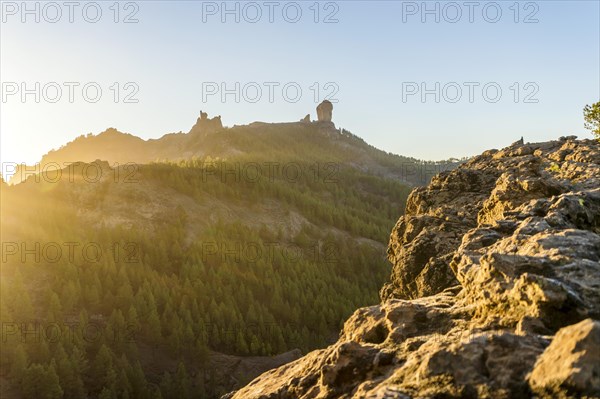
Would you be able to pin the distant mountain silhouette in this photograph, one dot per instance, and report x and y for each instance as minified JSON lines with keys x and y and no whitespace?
{"x":318,"y":141}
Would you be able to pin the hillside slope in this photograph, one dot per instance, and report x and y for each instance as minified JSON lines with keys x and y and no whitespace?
{"x":224,"y":252}
{"x":495,"y":290}
{"x":196,"y":263}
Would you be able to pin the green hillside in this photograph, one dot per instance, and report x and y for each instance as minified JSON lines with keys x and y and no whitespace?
{"x":197,"y":259}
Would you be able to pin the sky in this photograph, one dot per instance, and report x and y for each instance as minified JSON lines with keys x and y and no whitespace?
{"x":431,"y":80}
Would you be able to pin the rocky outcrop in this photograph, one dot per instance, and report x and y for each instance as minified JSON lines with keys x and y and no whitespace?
{"x":494,"y":290}
{"x":205,"y":125}
{"x":325,"y":111}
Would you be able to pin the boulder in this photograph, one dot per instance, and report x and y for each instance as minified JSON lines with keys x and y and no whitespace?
{"x":571,"y":362}
{"x":325,"y":111}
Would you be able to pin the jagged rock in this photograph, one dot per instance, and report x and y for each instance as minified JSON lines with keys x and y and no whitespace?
{"x":325,"y":111}
{"x":495,"y":265}
{"x":306,"y":119}
{"x":436,"y":218}
{"x":518,"y":142}
{"x":571,"y":362}
{"x":205,"y":125}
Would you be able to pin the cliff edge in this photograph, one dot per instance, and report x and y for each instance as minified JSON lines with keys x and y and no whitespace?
{"x":494,"y":293}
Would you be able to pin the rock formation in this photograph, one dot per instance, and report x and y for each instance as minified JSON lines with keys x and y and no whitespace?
{"x":324,"y":111}
{"x":206,"y":125}
{"x":494,"y":290}
{"x":306,"y":119}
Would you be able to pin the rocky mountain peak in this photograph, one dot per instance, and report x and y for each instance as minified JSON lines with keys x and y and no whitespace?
{"x":204,"y":124}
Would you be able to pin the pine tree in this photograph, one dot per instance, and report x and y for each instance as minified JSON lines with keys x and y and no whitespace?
{"x":78,"y":361}
{"x":102,"y":372}
{"x":41,"y":382}
{"x":241,"y":345}
{"x":67,"y":376}
{"x":154,"y":328}
{"x":182,"y":386}
{"x":122,"y":387}
{"x":201,"y":352}
{"x":255,"y":346}
{"x":137,"y":378}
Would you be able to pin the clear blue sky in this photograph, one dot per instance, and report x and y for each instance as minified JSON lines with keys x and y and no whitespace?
{"x":371,"y":55}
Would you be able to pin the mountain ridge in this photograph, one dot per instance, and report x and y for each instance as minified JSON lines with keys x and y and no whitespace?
{"x":319,"y":141}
